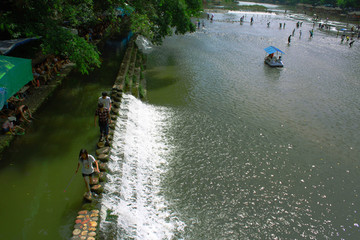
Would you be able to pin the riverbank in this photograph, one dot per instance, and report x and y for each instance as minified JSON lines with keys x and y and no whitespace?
{"x":35,"y":97}
{"x":318,"y":12}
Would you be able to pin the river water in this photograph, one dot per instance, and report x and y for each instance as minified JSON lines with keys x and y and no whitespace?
{"x":228,"y":148}
{"x":225,"y":147}
{"x":38,"y":166}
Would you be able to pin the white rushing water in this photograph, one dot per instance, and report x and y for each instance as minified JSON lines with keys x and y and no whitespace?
{"x":133,"y":205}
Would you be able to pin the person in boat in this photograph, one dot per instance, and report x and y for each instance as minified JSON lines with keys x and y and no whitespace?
{"x":270,"y":56}
{"x":87,"y":161}
{"x":279,"y":60}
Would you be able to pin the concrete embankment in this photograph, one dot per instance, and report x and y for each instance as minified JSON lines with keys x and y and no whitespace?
{"x":36,"y":97}
{"x":130,"y":80}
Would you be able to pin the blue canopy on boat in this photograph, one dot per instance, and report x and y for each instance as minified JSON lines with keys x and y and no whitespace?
{"x":272,"y":49}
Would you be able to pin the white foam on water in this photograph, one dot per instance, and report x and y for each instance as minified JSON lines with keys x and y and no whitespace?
{"x":138,"y":159}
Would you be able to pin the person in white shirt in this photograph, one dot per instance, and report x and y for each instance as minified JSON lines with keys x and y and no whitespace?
{"x":87,"y":161}
{"x":105,"y":100}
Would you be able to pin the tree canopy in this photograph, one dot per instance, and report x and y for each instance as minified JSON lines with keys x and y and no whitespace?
{"x":53,"y":21}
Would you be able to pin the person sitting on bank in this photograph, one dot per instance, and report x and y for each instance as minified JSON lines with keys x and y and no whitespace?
{"x":22,"y":113}
{"x":9,"y":127}
{"x":35,"y":82}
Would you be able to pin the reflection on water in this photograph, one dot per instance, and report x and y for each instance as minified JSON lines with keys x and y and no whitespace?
{"x":261,"y":153}
{"x":38,"y":165}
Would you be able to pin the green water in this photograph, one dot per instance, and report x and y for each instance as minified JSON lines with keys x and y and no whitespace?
{"x":260,"y":153}
{"x":38,"y":166}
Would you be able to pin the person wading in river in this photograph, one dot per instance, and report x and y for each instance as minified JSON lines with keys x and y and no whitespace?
{"x":104,"y":120}
{"x":87,"y":162}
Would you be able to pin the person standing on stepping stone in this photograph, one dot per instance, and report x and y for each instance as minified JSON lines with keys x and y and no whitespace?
{"x":106,"y":100}
{"x":87,"y":161}
{"x":104,"y":120}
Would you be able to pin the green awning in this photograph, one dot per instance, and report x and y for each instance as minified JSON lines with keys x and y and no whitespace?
{"x":14,"y":74}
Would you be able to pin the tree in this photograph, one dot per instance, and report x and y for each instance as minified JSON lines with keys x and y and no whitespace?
{"x":52,"y":20}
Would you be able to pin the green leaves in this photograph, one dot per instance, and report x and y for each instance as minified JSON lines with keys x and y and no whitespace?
{"x":154,"y":19}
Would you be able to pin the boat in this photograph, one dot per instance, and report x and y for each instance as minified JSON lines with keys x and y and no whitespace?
{"x":274,"y":57}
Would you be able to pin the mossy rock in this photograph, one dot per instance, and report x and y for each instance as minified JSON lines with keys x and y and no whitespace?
{"x":103,"y":167}
{"x":103,"y":150}
{"x":103,"y":157}
{"x":115,"y":111}
{"x":116,"y":97}
{"x":100,"y":144}
{"x":116,"y":104}
{"x":115,"y":107}
{"x":90,"y":206}
{"x":98,"y":188}
{"x":103,"y":177}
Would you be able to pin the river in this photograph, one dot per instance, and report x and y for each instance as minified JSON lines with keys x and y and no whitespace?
{"x":228,"y":148}
{"x":38,"y":166}
{"x":225,"y":147}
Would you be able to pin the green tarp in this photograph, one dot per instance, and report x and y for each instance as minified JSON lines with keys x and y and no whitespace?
{"x":14,"y":74}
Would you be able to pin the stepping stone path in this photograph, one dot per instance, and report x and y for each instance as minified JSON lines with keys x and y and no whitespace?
{"x":86,"y":225}
{"x":87,"y":220}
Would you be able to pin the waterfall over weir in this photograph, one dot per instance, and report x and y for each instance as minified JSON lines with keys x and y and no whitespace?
{"x":132,"y":205}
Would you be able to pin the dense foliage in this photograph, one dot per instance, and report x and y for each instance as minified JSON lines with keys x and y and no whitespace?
{"x":54,"y":20}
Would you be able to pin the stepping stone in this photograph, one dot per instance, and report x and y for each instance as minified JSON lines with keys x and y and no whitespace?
{"x":103,"y":157}
{"x":95,"y":180}
{"x":103,"y":167}
{"x":102,"y":177}
{"x":87,"y":198}
{"x":95,"y":211}
{"x":83,"y":212}
{"x":115,"y":111}
{"x":103,"y":150}
{"x":76,"y":232}
{"x":98,"y":189}
{"x":100,"y":144}
{"x":116,"y":105}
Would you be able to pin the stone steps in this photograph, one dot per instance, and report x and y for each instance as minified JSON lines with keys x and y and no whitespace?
{"x":131,"y":70}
